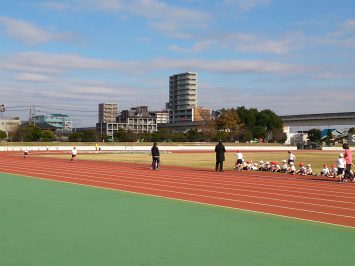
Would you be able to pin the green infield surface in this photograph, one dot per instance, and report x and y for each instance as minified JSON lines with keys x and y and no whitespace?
{"x":52,"y":223}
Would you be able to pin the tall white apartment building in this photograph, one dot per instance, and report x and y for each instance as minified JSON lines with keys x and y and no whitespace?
{"x":182,"y":97}
{"x":108,"y":112}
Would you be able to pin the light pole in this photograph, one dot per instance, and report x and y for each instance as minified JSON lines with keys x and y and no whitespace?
{"x":2,"y":109}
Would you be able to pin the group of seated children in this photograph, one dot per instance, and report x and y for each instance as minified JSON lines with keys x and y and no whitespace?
{"x":274,"y":166}
{"x":288,"y":166}
{"x":336,"y":171}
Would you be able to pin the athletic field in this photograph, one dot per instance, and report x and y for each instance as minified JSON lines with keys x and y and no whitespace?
{"x":57,"y":212}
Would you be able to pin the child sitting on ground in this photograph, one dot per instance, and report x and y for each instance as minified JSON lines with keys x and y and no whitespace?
{"x":325,"y":171}
{"x":255,"y":167}
{"x":267,"y":167}
{"x":309,"y":170}
{"x":284,"y":167}
{"x":261,"y":166}
{"x":333,"y":171}
{"x":302,"y":170}
{"x":292,"y":169}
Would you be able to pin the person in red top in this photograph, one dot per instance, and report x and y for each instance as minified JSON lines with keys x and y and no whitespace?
{"x":349,"y":161}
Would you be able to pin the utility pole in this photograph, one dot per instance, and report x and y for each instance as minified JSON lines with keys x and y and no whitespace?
{"x":34,"y":115}
{"x":30,"y":119}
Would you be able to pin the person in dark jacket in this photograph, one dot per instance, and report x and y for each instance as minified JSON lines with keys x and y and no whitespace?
{"x":155,"y":156}
{"x":220,"y":150}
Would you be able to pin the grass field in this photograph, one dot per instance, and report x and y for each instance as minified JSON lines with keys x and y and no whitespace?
{"x":207,"y":159}
{"x":54,"y":223}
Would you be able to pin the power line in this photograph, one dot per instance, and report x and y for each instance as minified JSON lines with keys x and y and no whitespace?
{"x":69,"y":110}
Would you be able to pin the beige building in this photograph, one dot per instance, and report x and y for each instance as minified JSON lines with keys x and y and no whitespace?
{"x":108,"y":112}
{"x":9,"y":125}
{"x":162,"y":117}
{"x":201,"y":114}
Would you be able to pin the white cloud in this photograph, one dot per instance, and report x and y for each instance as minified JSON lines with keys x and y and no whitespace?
{"x":169,"y":19}
{"x":295,"y":100}
{"x":246,"y":5}
{"x":249,"y":43}
{"x":350,"y":24}
{"x":37,"y":62}
{"x":32,"y":77}
{"x":30,"y":33}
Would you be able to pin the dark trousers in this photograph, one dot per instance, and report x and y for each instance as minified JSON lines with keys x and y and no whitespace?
{"x":348,"y":172}
{"x":156,"y":162}
{"x":219,"y":165}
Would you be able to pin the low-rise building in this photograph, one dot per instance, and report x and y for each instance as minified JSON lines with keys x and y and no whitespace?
{"x":161,"y":116}
{"x":60,"y":121}
{"x":139,"y":119}
{"x":9,"y":125}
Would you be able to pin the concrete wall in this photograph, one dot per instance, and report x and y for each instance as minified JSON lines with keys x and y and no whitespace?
{"x":146,"y":148}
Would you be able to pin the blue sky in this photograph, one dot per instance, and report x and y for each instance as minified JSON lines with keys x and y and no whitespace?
{"x":292,"y":57}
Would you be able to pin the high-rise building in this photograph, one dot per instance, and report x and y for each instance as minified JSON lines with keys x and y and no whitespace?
{"x":182,"y":97}
{"x":108,"y":112}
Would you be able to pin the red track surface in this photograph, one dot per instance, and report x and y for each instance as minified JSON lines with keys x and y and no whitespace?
{"x":303,"y":198}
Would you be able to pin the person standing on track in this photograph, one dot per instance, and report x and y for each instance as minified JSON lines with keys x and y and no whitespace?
{"x":291,"y":157}
{"x":239,"y":161}
{"x":155,"y":156}
{"x":25,"y":153}
{"x":220,"y":150}
{"x":349,"y":161}
{"x":74,"y":152}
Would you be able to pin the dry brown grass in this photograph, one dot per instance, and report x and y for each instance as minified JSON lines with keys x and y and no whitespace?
{"x":207,"y":159}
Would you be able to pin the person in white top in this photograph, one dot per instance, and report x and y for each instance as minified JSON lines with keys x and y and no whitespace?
{"x":325,"y":171}
{"x":239,"y":162}
{"x":74,"y":152}
{"x":309,"y":170}
{"x":302,"y":170}
{"x":292,"y":169}
{"x":284,"y":166}
{"x":333,"y":171}
{"x":291,"y":157}
{"x":25,"y":153}
{"x":341,"y":166}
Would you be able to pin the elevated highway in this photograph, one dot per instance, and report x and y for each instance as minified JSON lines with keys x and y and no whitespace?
{"x":324,"y":119}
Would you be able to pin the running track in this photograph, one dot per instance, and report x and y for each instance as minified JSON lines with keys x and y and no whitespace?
{"x":324,"y":201}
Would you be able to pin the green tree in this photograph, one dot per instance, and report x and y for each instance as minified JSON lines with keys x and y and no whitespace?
{"x":75,"y":137}
{"x":89,"y":136}
{"x":28,"y":133}
{"x":164,"y":134}
{"x":315,"y":135}
{"x":248,"y":116}
{"x":259,"y":132}
{"x":352,"y":130}
{"x":247,"y":135}
{"x":123,"y":135}
{"x":270,"y":121}
{"x":178,"y":137}
{"x":229,"y":122}
{"x":47,"y":135}
{"x":278,"y":135}
{"x":193,"y":135}
{"x":2,"y":135}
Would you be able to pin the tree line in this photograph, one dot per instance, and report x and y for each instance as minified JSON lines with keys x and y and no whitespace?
{"x":233,"y":124}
